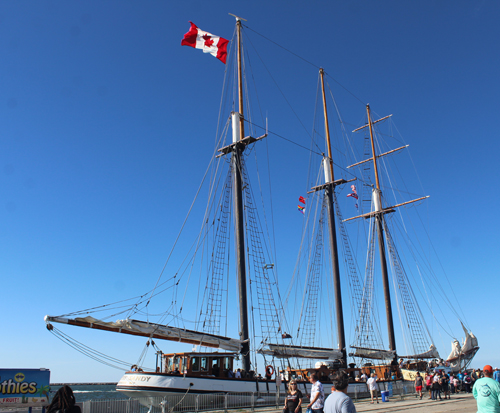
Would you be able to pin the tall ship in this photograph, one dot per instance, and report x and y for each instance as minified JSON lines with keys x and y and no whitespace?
{"x":237,"y":331}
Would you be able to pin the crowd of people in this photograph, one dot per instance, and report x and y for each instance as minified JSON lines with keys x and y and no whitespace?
{"x":483,"y":384}
{"x":440,"y":385}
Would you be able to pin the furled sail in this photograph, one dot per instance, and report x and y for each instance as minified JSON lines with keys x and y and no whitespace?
{"x":285,"y":351}
{"x":470,"y":341}
{"x":470,"y":345}
{"x":455,"y":350}
{"x":153,"y":330}
{"x":371,"y":353}
{"x":432,"y":353}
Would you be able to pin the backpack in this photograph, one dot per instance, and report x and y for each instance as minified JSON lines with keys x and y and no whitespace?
{"x":467,"y":380}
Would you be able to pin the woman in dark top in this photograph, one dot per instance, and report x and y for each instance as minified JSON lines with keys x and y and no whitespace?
{"x":64,"y":402}
{"x":293,"y":401}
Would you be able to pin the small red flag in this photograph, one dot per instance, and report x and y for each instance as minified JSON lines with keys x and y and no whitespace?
{"x":301,"y":199}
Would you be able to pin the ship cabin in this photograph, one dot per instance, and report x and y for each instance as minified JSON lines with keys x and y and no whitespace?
{"x":198,"y":364}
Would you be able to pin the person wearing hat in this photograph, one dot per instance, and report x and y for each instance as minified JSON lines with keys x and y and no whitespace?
{"x":467,"y":382}
{"x":486,"y":391}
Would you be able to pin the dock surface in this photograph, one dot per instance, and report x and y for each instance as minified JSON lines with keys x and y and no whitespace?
{"x":463,"y":403}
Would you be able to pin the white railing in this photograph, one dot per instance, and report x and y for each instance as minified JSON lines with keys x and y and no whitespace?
{"x":218,"y":402}
{"x":186,"y":403}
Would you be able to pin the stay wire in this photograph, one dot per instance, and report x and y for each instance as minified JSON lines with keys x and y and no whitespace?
{"x":276,"y":83}
{"x":307,"y":61}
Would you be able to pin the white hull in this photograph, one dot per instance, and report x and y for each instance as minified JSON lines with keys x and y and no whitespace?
{"x":159,"y":384}
{"x":150,"y":386}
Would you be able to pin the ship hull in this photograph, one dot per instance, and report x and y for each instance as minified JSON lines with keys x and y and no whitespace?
{"x":150,"y":388}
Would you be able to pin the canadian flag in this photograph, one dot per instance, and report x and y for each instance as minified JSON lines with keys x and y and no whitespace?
{"x":197,"y":38}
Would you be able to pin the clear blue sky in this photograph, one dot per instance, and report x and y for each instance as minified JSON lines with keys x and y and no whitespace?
{"x":107,"y":125}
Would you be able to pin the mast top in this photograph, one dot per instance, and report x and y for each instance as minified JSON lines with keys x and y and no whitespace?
{"x":237,"y":17}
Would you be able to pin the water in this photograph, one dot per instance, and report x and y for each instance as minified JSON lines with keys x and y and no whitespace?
{"x":84,"y":392}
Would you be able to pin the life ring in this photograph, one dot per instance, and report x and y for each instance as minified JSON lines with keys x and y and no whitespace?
{"x":269,"y":370}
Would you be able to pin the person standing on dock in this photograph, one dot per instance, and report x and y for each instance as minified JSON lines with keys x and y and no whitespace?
{"x":372,"y":386}
{"x":418,"y":384}
{"x":487,"y":392}
{"x":467,"y":382}
{"x":317,"y":397}
{"x":338,"y":401}
{"x":293,"y":400}
{"x":496,"y":375}
{"x":428,"y":384}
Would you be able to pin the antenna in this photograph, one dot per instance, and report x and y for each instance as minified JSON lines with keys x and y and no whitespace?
{"x":237,"y":18}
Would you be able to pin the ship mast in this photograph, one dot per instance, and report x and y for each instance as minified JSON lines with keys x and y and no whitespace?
{"x":238,"y":210}
{"x":379,"y":213}
{"x":329,"y":188}
{"x":236,"y":148}
{"x":377,"y":195}
{"x":329,"y":192}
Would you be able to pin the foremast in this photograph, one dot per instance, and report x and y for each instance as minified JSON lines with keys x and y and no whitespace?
{"x":238,"y":147}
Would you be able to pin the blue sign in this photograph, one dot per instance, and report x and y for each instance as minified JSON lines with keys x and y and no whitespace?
{"x":24,"y":387}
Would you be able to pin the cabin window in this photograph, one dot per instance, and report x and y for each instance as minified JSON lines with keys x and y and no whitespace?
{"x":227,"y":363}
{"x":195,"y":364}
{"x":169,"y":364}
{"x":204,"y":364}
{"x":184,"y":365}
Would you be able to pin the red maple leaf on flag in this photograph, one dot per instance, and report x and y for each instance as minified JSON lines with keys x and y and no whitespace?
{"x":208,"y":40}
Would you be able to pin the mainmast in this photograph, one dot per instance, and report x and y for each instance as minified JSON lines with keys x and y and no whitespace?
{"x":329,"y":188}
{"x":329,"y":192}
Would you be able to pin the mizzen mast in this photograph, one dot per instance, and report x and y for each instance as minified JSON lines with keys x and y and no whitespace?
{"x":377,"y":196}
{"x":379,"y":213}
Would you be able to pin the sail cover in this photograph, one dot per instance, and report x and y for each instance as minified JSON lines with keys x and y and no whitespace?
{"x":432,"y":353}
{"x":154,"y":330}
{"x":285,"y":351}
{"x":371,"y":353}
{"x":455,"y":350}
{"x":470,"y":341}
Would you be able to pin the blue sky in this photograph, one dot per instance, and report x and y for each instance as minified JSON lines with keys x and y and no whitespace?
{"x":107,"y":125}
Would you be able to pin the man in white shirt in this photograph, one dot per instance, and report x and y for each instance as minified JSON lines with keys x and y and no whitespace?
{"x":237,"y":374}
{"x":317,"y":396}
{"x":372,"y":386}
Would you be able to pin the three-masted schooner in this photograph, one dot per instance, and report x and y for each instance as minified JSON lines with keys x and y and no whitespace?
{"x":209,"y":367}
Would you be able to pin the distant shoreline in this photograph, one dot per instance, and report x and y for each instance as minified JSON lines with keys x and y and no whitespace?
{"x":83,"y":384}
